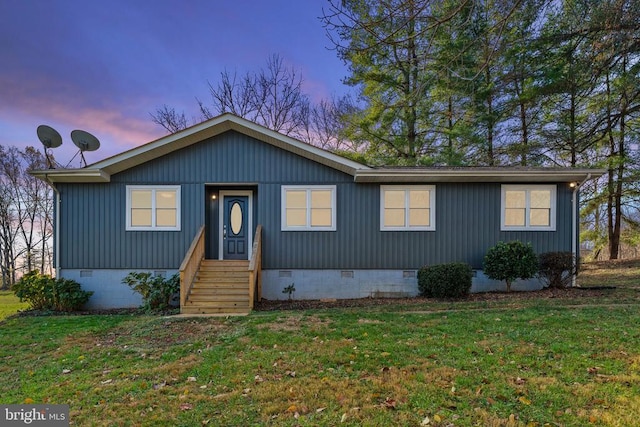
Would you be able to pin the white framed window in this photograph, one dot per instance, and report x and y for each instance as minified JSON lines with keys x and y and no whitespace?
{"x":407,"y":208}
{"x":153,"y":208}
{"x":308,"y":208}
{"x":528,"y":208}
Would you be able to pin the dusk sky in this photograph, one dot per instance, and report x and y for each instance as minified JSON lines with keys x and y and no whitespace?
{"x":103,"y":66}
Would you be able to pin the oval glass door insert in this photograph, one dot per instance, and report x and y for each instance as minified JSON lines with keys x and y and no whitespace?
{"x":236,"y":218}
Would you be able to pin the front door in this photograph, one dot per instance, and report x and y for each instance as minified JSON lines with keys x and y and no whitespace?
{"x":236,"y":227}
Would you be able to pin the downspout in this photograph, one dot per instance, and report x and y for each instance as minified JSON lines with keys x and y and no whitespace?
{"x":574,"y":228}
{"x":56,"y":227}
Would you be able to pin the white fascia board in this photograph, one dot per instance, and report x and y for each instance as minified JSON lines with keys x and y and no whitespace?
{"x":72,"y":175}
{"x":475,"y":175}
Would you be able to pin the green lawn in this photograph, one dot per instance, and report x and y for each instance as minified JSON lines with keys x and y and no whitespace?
{"x":559,"y":361}
{"x":9,"y":304}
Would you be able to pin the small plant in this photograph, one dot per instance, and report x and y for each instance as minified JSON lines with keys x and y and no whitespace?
{"x":451,"y":280}
{"x":557,"y":268}
{"x":289,"y":290}
{"x":511,"y":261}
{"x":156,"y":291}
{"x":43,"y":292}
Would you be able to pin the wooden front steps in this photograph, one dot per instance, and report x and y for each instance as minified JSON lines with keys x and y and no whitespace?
{"x":220,"y":287}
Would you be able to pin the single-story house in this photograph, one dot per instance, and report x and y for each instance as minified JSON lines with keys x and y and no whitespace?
{"x":227,"y":202}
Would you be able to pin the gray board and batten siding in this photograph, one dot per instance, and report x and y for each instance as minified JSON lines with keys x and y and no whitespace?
{"x":93,"y":233}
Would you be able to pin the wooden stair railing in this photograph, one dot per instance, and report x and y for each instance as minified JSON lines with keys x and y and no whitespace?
{"x":190,"y":265}
{"x":255,"y":269}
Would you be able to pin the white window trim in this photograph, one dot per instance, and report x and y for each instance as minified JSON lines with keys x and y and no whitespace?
{"x":153,"y":189}
{"x":528,"y":189}
{"x":405,"y":188}
{"x":308,"y":189}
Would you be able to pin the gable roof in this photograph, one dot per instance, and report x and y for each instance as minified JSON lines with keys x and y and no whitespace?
{"x":101,"y":171}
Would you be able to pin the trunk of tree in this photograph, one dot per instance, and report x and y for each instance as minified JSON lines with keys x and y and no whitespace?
{"x":490,"y":120}
{"x":525,"y":134}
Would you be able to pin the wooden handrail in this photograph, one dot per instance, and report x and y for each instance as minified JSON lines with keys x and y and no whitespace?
{"x":190,"y":265}
{"x":255,"y":269}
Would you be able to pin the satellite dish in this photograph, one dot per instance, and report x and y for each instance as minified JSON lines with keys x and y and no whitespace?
{"x":50,"y":138}
{"x":85,"y":142}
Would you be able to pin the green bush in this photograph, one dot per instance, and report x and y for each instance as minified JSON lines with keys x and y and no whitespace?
{"x":556,"y":268}
{"x":511,"y":261}
{"x":43,"y":292}
{"x":156,"y":291}
{"x":451,"y":280}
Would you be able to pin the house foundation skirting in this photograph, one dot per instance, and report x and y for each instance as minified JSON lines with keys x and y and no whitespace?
{"x":108,"y":289}
{"x":345,"y":284}
{"x":110,"y":292}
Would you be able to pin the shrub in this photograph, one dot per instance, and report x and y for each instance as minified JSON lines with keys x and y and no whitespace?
{"x":156,"y":291}
{"x":43,"y":292}
{"x":451,"y":280}
{"x":511,"y":261}
{"x":556,"y":268}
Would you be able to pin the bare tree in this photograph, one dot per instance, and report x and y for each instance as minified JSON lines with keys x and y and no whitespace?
{"x":169,"y":118}
{"x":272,"y":97}
{"x":25,"y":212}
{"x":8,"y":232}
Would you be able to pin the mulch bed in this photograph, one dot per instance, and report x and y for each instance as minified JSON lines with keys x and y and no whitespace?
{"x":276,"y":305}
{"x":567,"y":293}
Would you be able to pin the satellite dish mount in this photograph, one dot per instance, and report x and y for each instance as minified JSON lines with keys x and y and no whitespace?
{"x":85,"y":142}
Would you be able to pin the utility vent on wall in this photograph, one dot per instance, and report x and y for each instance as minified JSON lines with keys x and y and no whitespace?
{"x":347,"y":274}
{"x":408,"y":274}
{"x":284,"y":273}
{"x":86,"y":273}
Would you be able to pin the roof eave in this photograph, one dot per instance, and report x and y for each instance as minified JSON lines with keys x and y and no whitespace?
{"x":72,"y":175}
{"x":505,"y":175}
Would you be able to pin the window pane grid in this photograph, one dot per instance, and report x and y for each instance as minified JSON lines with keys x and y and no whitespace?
{"x":528,"y":208}
{"x":406,"y":208}
{"x":153,"y":208}
{"x":308,"y":208}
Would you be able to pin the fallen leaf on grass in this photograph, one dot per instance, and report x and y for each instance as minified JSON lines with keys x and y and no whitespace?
{"x":186,"y":406}
{"x":320,"y":410}
{"x":28,"y":401}
{"x":66,"y":371}
{"x":344,"y":417}
{"x":292,"y":408}
{"x":191,"y":379}
{"x":524,"y":400}
{"x":106,"y":381}
{"x":389,"y":403}
{"x":425,"y":422}
{"x":437,"y":418}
